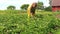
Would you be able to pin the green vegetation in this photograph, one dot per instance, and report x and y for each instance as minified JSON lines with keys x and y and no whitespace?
{"x":16,"y":22}
{"x":40,"y":6}
{"x":11,"y":7}
{"x":48,"y":8}
{"x":24,"y":6}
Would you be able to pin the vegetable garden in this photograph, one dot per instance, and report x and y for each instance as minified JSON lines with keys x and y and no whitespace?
{"x":16,"y":22}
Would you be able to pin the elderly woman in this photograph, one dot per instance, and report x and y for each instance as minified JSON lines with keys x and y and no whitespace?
{"x":31,"y":9}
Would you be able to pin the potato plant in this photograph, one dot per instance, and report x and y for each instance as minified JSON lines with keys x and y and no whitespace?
{"x":16,"y":22}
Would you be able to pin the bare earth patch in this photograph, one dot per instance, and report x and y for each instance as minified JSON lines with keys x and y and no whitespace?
{"x":58,"y":16}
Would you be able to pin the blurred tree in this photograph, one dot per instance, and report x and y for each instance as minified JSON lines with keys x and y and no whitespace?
{"x":11,"y":7}
{"x":48,"y":8}
{"x":24,"y":6}
{"x":50,"y":2}
{"x":40,"y":5}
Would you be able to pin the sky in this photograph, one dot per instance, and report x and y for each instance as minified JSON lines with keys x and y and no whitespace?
{"x":17,"y":3}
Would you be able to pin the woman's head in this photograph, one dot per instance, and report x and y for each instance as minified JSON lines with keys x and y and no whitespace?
{"x":34,"y":5}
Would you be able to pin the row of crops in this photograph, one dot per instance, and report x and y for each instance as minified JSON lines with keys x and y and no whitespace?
{"x":15,"y":22}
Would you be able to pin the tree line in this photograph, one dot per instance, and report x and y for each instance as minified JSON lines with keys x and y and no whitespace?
{"x":25,"y":6}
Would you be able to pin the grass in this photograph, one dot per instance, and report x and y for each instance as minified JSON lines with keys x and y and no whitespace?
{"x":16,"y":22}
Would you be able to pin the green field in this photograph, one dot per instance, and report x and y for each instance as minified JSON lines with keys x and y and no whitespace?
{"x":17,"y":22}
